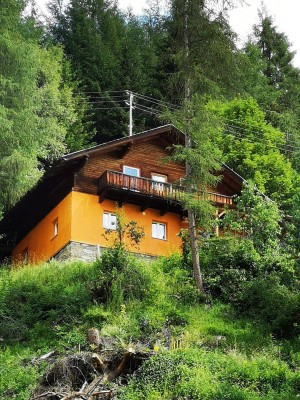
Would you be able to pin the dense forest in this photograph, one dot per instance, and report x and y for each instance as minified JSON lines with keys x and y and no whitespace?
{"x":65,"y":84}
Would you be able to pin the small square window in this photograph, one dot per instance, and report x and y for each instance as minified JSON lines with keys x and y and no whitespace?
{"x":159,"y":230}
{"x":25,"y":256}
{"x":109,"y":221}
{"x":55,"y":227}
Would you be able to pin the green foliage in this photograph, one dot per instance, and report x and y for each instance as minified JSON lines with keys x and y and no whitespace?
{"x":253,"y":148}
{"x":109,"y":52}
{"x":18,"y":376}
{"x":227,"y":264}
{"x":278,"y":68}
{"x":121,"y":278}
{"x":267,"y":299}
{"x":204,"y":351}
{"x":124,"y":230}
{"x":203,"y":127}
{"x":211,"y":62}
{"x":275,"y":82}
{"x":257,"y":218}
{"x":37,"y":107}
{"x":201,"y":158}
{"x":31,"y":295}
{"x":199,"y":374}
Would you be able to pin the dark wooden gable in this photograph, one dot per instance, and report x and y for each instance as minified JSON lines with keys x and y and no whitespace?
{"x":230,"y":183}
{"x":149,"y":153}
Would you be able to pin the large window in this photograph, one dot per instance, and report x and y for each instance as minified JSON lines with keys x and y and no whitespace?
{"x":109,"y":220}
{"x":159,"y":230}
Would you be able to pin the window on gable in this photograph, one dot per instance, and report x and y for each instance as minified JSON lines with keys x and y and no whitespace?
{"x":159,"y":185}
{"x":55,"y":227}
{"x":132,"y":171}
{"x":159,"y":230}
{"x":109,"y":221}
{"x":158,"y":177}
{"x":130,"y":181}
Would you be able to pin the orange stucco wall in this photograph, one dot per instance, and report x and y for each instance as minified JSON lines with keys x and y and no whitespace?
{"x":87,"y":226}
{"x":40,"y":241}
{"x":79,"y":218}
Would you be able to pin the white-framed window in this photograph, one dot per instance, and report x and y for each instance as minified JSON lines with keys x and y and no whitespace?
{"x":158,"y":177}
{"x":132,"y":171}
{"x":131,"y":183}
{"x":109,"y":220}
{"x":159,"y":230}
{"x":55,"y":227}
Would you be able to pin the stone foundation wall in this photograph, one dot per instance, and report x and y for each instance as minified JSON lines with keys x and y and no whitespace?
{"x":78,"y":251}
{"x":86,"y":252}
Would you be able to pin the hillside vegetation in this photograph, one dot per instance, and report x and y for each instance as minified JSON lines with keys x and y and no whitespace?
{"x":240,"y":341}
{"x":65,"y":86}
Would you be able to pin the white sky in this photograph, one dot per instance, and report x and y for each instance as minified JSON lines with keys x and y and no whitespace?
{"x":284,"y":12}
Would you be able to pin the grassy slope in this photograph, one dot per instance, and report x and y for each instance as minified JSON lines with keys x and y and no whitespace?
{"x":204,"y":351}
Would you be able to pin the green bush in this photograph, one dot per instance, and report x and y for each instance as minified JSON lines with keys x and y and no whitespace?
{"x":17,"y":375}
{"x":274,"y":303}
{"x":122,"y":277}
{"x":227,"y":263}
{"x":53,"y":293}
{"x":198,"y":375}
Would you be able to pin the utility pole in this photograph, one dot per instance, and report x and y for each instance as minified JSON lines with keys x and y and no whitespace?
{"x":130,"y":104}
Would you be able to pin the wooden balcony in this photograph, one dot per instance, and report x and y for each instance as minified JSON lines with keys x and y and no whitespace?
{"x":148,"y":193}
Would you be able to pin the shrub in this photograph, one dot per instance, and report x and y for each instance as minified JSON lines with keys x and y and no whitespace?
{"x":274,"y":303}
{"x":227,"y":263}
{"x":52,"y":293}
{"x":198,"y":374}
{"x":122,"y":277}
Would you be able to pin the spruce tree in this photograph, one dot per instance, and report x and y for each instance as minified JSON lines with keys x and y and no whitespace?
{"x":35,"y":105}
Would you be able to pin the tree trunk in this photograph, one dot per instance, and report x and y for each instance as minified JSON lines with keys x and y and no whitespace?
{"x":195,"y":251}
{"x":188,"y":144}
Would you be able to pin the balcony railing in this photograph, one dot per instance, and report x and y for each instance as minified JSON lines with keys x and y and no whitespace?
{"x":139,"y":187}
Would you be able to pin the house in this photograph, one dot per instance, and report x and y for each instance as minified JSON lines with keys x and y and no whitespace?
{"x":68,"y":212}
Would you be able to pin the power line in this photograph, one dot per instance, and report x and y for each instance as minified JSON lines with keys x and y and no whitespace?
{"x":242,"y":136}
{"x":147,"y":104}
{"x":156,"y":101}
{"x":145,"y":110}
{"x":104,"y":92}
{"x":256,"y":134}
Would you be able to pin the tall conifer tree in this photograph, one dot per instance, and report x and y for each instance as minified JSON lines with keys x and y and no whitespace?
{"x":35,"y":105}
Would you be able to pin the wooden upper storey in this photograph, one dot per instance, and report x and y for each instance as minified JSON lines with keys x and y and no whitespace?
{"x":149,"y":152}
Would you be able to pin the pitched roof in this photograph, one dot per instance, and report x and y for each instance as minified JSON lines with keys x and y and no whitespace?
{"x":164,"y":130}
